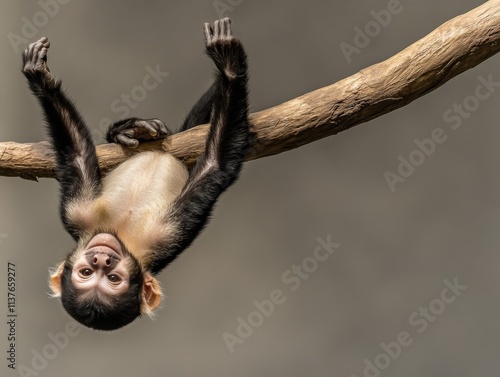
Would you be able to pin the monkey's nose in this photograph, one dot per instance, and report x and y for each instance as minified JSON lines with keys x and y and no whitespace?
{"x":101,"y":260}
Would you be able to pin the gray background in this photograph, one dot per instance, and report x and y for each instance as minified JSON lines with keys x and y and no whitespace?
{"x":397,"y":248}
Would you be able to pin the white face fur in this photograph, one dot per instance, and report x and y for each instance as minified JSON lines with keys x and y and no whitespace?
{"x":101,"y":267}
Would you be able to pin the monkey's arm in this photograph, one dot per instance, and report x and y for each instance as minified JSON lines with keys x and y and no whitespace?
{"x":77,"y":168}
{"x":227,"y":141}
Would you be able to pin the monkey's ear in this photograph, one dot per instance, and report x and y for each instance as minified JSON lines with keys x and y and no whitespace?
{"x":55,"y":280}
{"x":151,"y":294}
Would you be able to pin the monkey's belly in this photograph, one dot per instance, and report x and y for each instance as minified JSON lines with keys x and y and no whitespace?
{"x":137,"y":194}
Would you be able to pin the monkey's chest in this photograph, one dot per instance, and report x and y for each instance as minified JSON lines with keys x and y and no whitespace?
{"x":137,"y":195}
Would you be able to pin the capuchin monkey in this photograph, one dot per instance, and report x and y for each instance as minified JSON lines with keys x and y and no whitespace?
{"x":133,"y":222}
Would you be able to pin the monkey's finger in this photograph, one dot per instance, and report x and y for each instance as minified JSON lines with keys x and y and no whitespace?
{"x":45,"y":46}
{"x":164,"y":131}
{"x":43,"y":54}
{"x":217,"y":27}
{"x":148,"y":127}
{"x":37,"y":46}
{"x":161,"y":127}
{"x":44,"y":41}
{"x":128,"y":142}
{"x":31,"y":53}
{"x":208,"y":32}
{"x":226,"y":27}
{"x":35,"y":53}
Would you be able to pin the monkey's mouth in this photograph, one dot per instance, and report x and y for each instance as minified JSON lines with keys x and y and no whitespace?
{"x":107,"y":242}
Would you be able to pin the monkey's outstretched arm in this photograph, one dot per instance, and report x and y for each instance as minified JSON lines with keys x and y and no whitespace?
{"x":76,"y":161}
{"x":227,"y":142}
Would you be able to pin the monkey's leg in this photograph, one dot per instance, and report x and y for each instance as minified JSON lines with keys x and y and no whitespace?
{"x":228,"y":136}
{"x":129,"y":132}
{"x":227,"y":141}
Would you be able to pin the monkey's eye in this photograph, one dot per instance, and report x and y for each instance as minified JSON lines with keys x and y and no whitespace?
{"x":86,"y":272}
{"x":114,"y":278}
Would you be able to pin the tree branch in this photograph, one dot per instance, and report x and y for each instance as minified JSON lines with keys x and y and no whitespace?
{"x":451,"y":49}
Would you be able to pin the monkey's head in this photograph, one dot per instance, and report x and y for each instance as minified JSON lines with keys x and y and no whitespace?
{"x":103,"y":286}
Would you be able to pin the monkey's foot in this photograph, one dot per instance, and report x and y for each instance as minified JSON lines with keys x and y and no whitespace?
{"x":35,"y":60}
{"x":225,"y":50}
{"x":130,"y":132}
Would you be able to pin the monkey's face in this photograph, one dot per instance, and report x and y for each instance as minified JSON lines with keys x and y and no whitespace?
{"x":103,"y":285}
{"x":102,"y":267}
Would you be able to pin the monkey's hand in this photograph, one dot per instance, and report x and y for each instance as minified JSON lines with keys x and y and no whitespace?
{"x":224,"y":49}
{"x":129,"y":132}
{"x":35,"y":66}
